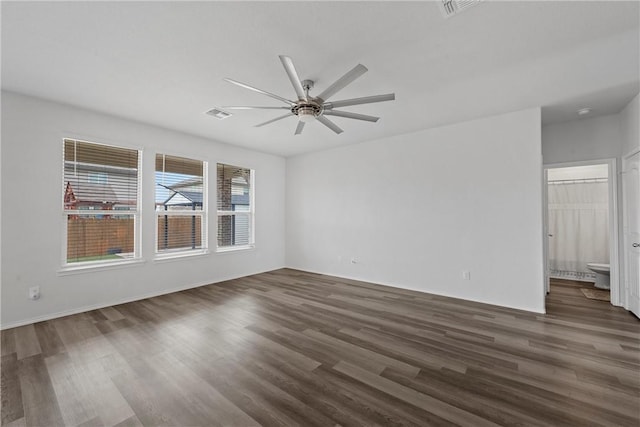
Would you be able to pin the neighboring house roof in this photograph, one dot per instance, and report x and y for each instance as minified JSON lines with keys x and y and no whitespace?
{"x":184,"y":193}
{"x":99,"y":184}
{"x":190,"y":182}
{"x":188,"y":198}
{"x":91,"y":192}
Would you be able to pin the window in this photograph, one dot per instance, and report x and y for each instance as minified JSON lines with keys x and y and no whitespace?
{"x":235,"y":206}
{"x":180,"y":205}
{"x":98,"y":180}
{"x":97,"y":177}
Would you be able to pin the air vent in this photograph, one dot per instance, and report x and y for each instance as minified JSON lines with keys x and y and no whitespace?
{"x":218,"y":113}
{"x":450,"y":8}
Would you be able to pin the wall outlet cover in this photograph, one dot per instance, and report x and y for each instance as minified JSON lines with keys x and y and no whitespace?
{"x":34,"y":292}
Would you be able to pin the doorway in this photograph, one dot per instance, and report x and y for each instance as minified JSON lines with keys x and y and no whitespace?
{"x":581,"y":237}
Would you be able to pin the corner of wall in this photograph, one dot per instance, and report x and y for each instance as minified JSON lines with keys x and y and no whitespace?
{"x":630,"y":126}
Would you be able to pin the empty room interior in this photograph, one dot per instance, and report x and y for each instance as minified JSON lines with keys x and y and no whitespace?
{"x":320,"y":213}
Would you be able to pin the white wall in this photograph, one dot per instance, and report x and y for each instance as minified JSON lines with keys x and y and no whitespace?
{"x":32,"y":132}
{"x":416,"y":210}
{"x":582,"y":139}
{"x":630,"y":127}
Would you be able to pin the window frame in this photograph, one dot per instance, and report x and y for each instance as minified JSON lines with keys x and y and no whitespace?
{"x":203,"y":214}
{"x":250,"y":213}
{"x":70,"y":267}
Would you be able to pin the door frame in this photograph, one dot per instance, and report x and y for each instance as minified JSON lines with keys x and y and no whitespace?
{"x":626,"y":291}
{"x":618,"y":296}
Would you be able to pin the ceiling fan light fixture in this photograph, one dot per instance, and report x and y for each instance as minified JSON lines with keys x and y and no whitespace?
{"x":306,"y":114}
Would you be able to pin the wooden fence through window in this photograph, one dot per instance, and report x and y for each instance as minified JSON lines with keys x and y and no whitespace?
{"x":91,"y":237}
{"x":95,"y":237}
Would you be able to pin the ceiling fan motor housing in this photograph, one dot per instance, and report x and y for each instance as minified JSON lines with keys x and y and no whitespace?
{"x":307,"y":111}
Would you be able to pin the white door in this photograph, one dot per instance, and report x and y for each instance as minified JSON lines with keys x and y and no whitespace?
{"x":631,"y":201}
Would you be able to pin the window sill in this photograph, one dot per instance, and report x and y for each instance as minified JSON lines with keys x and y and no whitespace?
{"x":235,"y":248}
{"x":90,"y":268}
{"x":178,"y":255}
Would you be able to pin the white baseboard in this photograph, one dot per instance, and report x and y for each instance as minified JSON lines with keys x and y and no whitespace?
{"x":84,"y":309}
{"x":391,"y":285}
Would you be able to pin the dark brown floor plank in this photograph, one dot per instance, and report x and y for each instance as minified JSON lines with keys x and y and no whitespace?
{"x":8,"y":341}
{"x":385,"y":409}
{"x":10,"y":390}
{"x":49,"y":340}
{"x":27,"y":344}
{"x":38,"y":396}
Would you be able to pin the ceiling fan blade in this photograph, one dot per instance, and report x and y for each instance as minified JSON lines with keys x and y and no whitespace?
{"x":293,"y":76}
{"x":299,"y":127}
{"x":349,"y":115}
{"x":357,"y":101}
{"x":328,"y":123}
{"x":274,"y":120}
{"x":339,"y":84}
{"x":246,"y":86}
{"x":255,"y":108}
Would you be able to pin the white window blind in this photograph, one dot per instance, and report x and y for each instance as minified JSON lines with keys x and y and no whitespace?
{"x":100,"y":202}
{"x":180,"y":204}
{"x":235,"y":206}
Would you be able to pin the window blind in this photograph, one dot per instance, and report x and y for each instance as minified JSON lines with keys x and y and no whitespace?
{"x":234,"y":206}
{"x":180,"y":204}
{"x":100,"y":201}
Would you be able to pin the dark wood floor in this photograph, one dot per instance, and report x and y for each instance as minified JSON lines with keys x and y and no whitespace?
{"x":293,"y":348}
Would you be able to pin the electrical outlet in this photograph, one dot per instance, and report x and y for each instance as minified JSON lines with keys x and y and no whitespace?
{"x":34,"y":293}
{"x":466,"y":275}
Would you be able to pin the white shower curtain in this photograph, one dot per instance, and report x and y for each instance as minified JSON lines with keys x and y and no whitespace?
{"x":579,"y":228}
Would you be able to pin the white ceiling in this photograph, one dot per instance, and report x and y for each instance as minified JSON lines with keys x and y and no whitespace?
{"x":163,"y":62}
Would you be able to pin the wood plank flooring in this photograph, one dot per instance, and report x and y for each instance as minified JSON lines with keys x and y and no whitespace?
{"x":293,"y":348}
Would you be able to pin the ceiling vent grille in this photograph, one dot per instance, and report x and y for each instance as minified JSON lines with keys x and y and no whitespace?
{"x":218,"y":113}
{"x":450,"y":8}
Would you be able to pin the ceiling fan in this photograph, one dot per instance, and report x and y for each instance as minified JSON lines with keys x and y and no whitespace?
{"x":309,"y":108}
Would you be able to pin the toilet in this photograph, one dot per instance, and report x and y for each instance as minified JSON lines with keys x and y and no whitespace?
{"x":602,"y":274}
